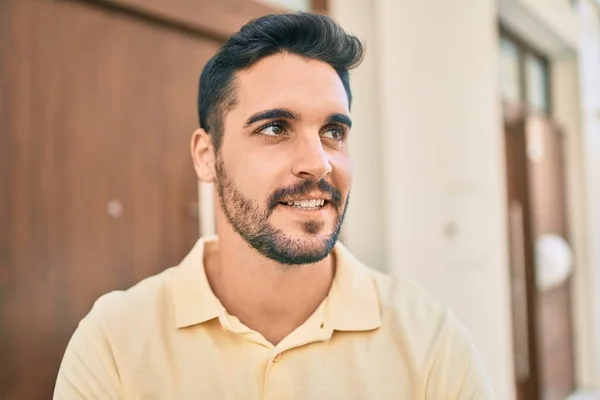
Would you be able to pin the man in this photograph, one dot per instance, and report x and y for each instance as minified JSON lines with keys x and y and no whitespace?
{"x":273,"y":307}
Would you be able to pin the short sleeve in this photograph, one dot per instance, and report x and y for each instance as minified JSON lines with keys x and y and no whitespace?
{"x":84,"y":372}
{"x":457,"y":372}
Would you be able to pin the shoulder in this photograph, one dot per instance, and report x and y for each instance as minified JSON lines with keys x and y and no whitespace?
{"x":404,"y":299}
{"x":137,"y":308}
{"x":438,"y":342}
{"x":402,"y":304}
{"x":113,"y":335}
{"x":434,"y":337}
{"x":413,"y":316}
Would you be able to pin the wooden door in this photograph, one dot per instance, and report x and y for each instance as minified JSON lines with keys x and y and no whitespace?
{"x":97,"y":107}
{"x":549,"y":215}
{"x":542,"y":323}
{"x":522,"y":271}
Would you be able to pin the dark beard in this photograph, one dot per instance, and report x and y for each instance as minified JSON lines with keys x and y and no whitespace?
{"x":252,"y":223}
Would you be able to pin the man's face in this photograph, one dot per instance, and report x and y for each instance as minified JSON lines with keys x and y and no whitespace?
{"x":283,"y":169}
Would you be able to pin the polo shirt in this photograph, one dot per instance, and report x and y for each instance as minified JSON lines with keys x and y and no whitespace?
{"x":169,"y":337}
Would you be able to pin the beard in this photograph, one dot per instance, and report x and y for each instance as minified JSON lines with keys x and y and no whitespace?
{"x":252,"y":223}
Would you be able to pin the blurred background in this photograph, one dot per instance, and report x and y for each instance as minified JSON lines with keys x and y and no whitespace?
{"x":477,"y":167}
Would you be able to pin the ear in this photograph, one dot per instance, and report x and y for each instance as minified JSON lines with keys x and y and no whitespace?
{"x":203,"y":155}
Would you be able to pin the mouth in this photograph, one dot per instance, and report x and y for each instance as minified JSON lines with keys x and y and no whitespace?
{"x":307,"y":205}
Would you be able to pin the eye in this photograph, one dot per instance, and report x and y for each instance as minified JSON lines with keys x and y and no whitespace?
{"x":272,"y":129}
{"x":335,"y":133}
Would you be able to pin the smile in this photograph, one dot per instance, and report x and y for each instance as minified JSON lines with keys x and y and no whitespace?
{"x":309,"y":205}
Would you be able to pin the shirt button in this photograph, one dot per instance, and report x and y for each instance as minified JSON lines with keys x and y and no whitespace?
{"x":277,"y":358}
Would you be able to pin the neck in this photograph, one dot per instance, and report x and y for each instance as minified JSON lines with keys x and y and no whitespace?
{"x":268,"y":297}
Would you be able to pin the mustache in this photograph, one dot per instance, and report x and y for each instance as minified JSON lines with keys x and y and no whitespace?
{"x":303,"y":188}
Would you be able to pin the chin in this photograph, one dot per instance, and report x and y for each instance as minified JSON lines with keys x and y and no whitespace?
{"x":308,"y":229}
{"x":301,"y":248}
{"x":305,"y":253}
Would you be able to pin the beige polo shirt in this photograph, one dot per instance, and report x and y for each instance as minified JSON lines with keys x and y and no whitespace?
{"x":168,"y":337}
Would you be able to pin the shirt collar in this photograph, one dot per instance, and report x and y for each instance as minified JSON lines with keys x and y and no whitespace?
{"x":193,"y":298}
{"x":352,"y":303}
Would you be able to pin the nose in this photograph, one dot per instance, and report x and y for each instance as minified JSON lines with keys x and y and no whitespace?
{"x":311,"y":161}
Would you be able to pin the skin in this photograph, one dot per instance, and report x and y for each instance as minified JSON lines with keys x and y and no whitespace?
{"x":258,"y":166}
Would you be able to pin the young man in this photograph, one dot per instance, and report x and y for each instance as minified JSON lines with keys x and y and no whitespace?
{"x":273,"y":307}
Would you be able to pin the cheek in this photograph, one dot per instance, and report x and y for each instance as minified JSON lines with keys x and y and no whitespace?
{"x":342,"y":170}
{"x":254,"y":173}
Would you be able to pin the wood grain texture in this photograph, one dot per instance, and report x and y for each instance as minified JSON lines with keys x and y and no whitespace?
{"x":216,"y":19}
{"x":320,"y":6}
{"x":7,"y":251}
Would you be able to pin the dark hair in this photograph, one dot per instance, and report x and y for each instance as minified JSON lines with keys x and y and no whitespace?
{"x":305,"y":34}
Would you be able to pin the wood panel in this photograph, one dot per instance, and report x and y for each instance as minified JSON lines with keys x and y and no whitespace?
{"x":523,"y":281}
{"x":548,"y":198}
{"x":211,"y":18}
{"x":96,"y":106}
{"x":320,"y":6}
{"x":547,"y":175}
{"x":6,"y":161}
{"x":556,"y":343}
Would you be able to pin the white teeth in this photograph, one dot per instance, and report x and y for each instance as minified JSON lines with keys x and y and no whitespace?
{"x":312,"y":204}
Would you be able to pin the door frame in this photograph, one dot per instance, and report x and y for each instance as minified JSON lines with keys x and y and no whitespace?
{"x":522,"y":256}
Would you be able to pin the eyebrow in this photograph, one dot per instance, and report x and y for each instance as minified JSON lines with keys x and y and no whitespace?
{"x":275,"y":113}
{"x":340,"y":119}
{"x":284,"y":113}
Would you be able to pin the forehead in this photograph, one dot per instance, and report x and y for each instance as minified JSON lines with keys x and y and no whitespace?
{"x":288,"y":80}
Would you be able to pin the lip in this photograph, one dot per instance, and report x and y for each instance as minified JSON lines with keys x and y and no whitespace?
{"x":309,"y":196}
{"x":310,"y":213}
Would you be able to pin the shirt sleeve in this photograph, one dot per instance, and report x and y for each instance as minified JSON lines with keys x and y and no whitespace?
{"x":84,"y":372}
{"x":457,"y":371}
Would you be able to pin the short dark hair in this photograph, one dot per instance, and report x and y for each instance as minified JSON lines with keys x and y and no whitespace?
{"x":308,"y":35}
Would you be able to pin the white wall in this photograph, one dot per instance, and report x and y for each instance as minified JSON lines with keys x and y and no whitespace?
{"x":364,"y":229}
{"x":433,"y":130}
{"x":589,"y":62}
{"x":567,"y":112}
{"x":551,"y":25}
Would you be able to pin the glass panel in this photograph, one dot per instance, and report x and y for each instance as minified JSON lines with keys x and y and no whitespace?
{"x":509,"y":71}
{"x":536,"y":72}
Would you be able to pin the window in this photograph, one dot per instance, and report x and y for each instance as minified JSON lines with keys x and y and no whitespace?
{"x":510,"y":71}
{"x":536,"y":79}
{"x":524,"y":75}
